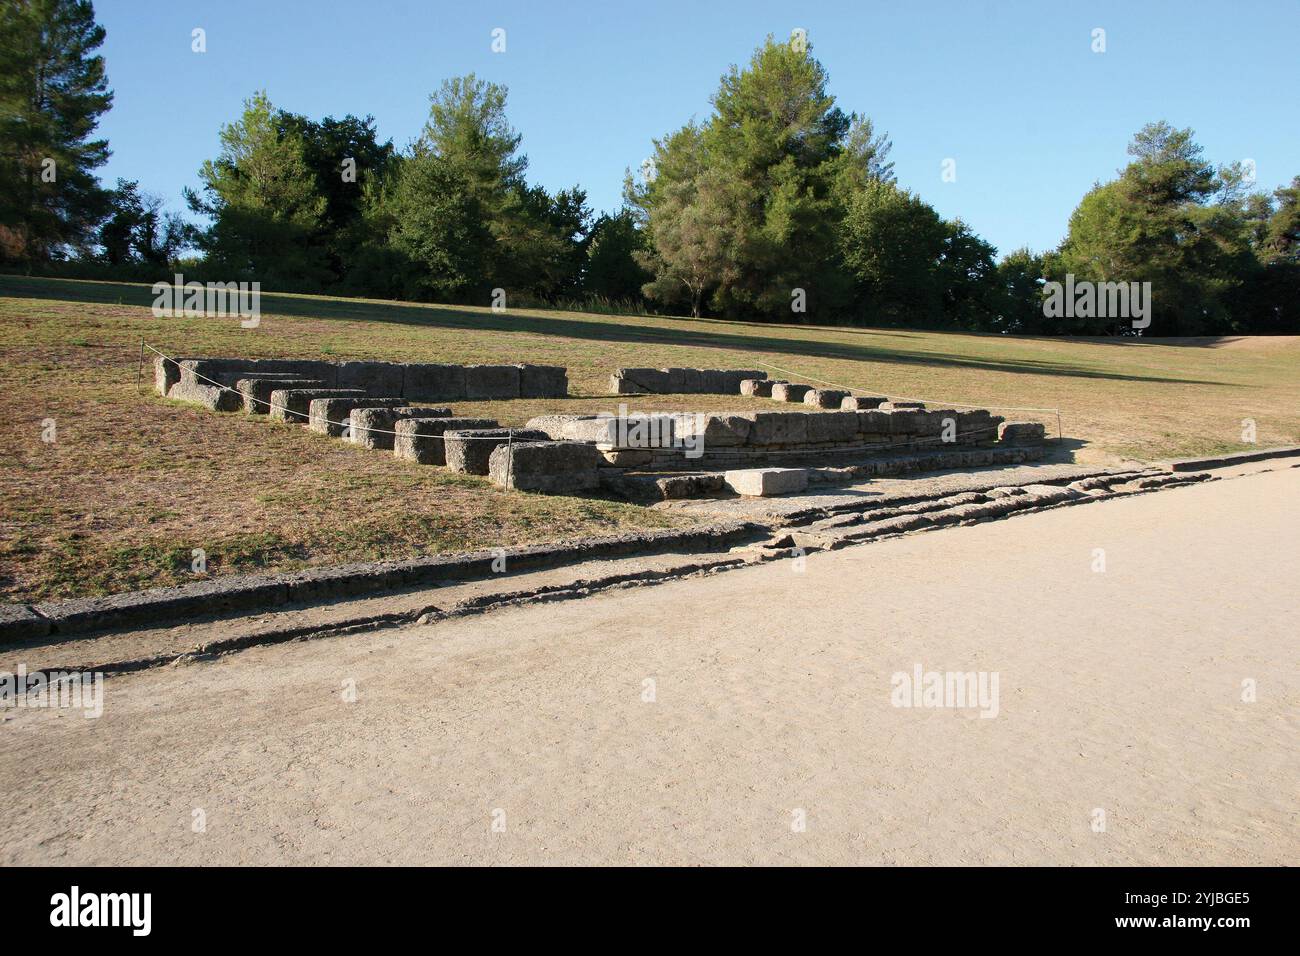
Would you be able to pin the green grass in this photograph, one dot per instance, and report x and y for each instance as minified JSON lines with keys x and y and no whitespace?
{"x":135,"y":482}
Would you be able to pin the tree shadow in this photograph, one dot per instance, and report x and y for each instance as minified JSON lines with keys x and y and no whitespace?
{"x":705,"y":333}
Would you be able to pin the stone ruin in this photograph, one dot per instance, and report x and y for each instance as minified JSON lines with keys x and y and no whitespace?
{"x":379,"y":405}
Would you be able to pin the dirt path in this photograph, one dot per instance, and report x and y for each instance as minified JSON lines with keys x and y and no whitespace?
{"x":1119,"y":691}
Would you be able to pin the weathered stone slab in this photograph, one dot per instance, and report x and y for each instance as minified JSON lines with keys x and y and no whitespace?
{"x":332,"y":416}
{"x":543,"y":381}
{"x":491,"y":381}
{"x":421,"y":439}
{"x":825,"y":397}
{"x":757,"y":387}
{"x":374,"y":378}
{"x":901,"y":404}
{"x":654,"y":380}
{"x":779,"y":428}
{"x":718,"y":430}
{"x":256,"y":392}
{"x":765,"y":482}
{"x":790,"y":392}
{"x":618,"y":385}
{"x":213,"y":397}
{"x":862,"y":402}
{"x":546,"y":466}
{"x":468,"y":450}
{"x":294,"y":404}
{"x":554,"y":425}
{"x":1021,"y":433}
{"x":873,"y":422}
{"x":372,"y":427}
{"x":19,"y":623}
{"x":433,"y":381}
{"x":831,"y":426}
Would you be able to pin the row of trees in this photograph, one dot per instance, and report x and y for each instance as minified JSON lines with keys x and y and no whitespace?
{"x":778,"y":206}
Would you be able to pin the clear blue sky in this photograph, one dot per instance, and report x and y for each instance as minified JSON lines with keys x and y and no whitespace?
{"x":1011,"y":90}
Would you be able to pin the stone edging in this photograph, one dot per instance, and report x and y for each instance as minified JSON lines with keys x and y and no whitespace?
{"x":1234,"y":458}
{"x":235,"y":594}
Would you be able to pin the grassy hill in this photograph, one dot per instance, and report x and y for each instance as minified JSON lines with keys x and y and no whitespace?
{"x":133,"y":483}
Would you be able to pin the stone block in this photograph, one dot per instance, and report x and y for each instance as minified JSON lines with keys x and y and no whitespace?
{"x":256,"y":392}
{"x":332,"y":416}
{"x":216,"y":398}
{"x":372,"y":427}
{"x":623,"y":386}
{"x":294,"y":404}
{"x":543,"y":381}
{"x":789,"y":392}
{"x":546,"y":466}
{"x":901,"y":404}
{"x":652,"y":380}
{"x":554,"y":425}
{"x":692,"y":381}
{"x":420,"y":439}
{"x":757,"y":387}
{"x":873,"y":422}
{"x":862,"y":403}
{"x":433,"y":382}
{"x":469,"y":450}
{"x":676,"y":380}
{"x":779,"y":428}
{"x":825,"y":397}
{"x":1021,"y":433}
{"x":491,"y":381}
{"x":766,"y":482}
{"x":831,"y":427}
{"x":373,"y":378}
{"x":714,"y":430}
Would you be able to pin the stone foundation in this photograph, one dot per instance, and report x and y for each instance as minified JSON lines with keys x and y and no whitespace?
{"x":687,"y":442}
{"x":422,"y":381}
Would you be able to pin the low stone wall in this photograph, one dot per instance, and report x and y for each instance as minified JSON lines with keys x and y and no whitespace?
{"x":680,"y":381}
{"x":414,"y":380}
{"x":685,"y":442}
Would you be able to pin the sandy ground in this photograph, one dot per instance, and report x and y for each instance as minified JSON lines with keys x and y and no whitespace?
{"x":1118,"y":691}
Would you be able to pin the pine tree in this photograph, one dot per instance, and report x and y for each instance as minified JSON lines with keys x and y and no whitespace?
{"x":53,"y":89}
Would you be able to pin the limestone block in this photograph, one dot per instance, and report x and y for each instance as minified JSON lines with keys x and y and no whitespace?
{"x":491,"y":381}
{"x":294,"y":404}
{"x":421,"y":439}
{"x":543,"y":381}
{"x":790,"y":392}
{"x":766,"y":482}
{"x":825,"y":397}
{"x":432,"y":381}
{"x":469,"y":450}
{"x":373,"y":427}
{"x":546,"y":466}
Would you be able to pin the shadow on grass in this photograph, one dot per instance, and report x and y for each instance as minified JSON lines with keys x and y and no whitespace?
{"x":598,"y":328}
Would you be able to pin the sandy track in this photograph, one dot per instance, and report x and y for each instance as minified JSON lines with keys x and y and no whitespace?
{"x":1118,"y":690}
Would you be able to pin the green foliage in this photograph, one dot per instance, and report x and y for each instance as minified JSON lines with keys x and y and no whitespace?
{"x":1160,"y":222}
{"x":53,"y":90}
{"x":264,"y":202}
